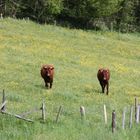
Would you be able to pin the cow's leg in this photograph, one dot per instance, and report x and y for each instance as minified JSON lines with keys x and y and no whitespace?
{"x":46,"y":83}
{"x":103,"y":88}
{"x":107,"y":88}
{"x":50,"y":84}
{"x":102,"y":85}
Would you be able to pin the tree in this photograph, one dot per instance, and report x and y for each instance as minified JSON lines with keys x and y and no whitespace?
{"x":126,"y":16}
{"x":85,"y":10}
{"x":41,"y":10}
{"x":137,"y":12}
{"x":10,"y":7}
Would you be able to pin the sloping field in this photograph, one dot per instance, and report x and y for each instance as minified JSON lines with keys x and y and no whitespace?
{"x":77,"y":55}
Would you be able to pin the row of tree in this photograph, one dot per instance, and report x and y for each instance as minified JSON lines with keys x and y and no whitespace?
{"x":122,"y":15}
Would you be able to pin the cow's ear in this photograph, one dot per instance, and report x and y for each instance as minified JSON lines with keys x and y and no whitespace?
{"x":101,"y":70}
{"x":52,"y":68}
{"x":45,"y":67}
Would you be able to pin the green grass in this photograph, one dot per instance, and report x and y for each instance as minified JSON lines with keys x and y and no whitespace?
{"x":77,"y":55}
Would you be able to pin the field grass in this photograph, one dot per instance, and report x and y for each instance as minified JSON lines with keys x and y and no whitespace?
{"x":77,"y":55}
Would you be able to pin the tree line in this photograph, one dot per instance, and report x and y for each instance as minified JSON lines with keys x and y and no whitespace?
{"x":121,"y":15}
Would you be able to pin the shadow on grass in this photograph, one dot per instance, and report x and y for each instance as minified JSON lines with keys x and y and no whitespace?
{"x":92,"y":91}
{"x":41,"y":87}
{"x":97,"y":91}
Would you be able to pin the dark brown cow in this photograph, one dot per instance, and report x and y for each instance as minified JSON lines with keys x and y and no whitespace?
{"x":103,"y":76}
{"x":47,"y":73}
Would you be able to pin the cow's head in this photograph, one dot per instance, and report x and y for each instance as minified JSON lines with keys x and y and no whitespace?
{"x":48,"y":70}
{"x":105,"y":74}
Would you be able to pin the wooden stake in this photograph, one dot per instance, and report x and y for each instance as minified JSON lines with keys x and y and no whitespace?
{"x":131,"y":117}
{"x":136,"y":103}
{"x":137,"y":117}
{"x":1,"y":16}
{"x":3,"y":100}
{"x":123,"y":118}
{"x":105,"y":114}
{"x":43,"y":111}
{"x":82,"y":111}
{"x":58,"y":114}
{"x":113,"y":121}
{"x":3,"y":105}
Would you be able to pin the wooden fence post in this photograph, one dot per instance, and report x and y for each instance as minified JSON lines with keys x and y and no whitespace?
{"x":123,"y":118}
{"x":3,"y":100}
{"x":58,"y":114}
{"x":111,"y":26}
{"x":138,"y":113}
{"x":131,"y":117}
{"x":136,"y":103}
{"x":105,"y":114}
{"x":43,"y":111}
{"x":82,"y":111}
{"x":1,"y":16}
{"x":113,"y":121}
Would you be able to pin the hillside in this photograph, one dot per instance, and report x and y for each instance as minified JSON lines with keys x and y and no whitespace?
{"x":77,"y":55}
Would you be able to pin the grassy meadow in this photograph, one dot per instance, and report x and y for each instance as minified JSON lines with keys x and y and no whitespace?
{"x":77,"y":55}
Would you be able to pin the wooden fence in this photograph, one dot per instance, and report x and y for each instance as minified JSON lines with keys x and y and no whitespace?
{"x":133,"y":109}
{"x":23,"y":115}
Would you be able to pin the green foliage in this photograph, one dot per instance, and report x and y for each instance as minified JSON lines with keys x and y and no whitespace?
{"x":106,"y":7}
{"x":54,"y":7}
{"x":76,"y":55}
{"x":91,"y":8}
{"x":137,"y":11}
{"x":123,"y":14}
{"x":41,"y":10}
{"x":126,"y":16}
{"x":12,"y":8}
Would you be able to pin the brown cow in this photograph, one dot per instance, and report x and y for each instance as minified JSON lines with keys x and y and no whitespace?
{"x":103,"y":76}
{"x":47,"y":72}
